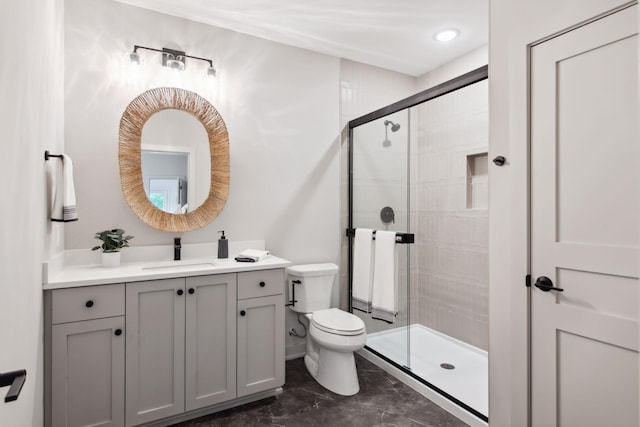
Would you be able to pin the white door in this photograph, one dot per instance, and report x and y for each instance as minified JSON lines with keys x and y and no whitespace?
{"x":585,"y":215}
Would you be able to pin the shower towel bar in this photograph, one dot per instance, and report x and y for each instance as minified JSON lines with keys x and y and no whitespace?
{"x":404,"y":238}
{"x":48,"y":155}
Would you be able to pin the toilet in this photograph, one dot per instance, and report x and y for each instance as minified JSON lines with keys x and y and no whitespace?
{"x":333,"y":335}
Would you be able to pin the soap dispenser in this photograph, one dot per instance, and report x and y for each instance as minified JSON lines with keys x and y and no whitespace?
{"x":223,"y":246}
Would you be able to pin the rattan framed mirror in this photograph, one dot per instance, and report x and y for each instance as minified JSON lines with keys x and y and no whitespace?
{"x":129,"y":157}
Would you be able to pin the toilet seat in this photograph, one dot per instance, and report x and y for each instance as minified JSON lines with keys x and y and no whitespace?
{"x":338,"y":322}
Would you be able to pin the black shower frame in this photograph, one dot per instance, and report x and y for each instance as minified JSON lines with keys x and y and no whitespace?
{"x":464,"y":80}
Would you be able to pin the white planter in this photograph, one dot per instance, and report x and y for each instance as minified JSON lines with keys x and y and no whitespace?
{"x":110,"y":259}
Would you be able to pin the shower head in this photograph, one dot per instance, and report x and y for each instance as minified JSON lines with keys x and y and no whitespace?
{"x":394,"y":126}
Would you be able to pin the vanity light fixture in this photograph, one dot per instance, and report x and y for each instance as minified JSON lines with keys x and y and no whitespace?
{"x":171,"y":58}
{"x":446,"y":35}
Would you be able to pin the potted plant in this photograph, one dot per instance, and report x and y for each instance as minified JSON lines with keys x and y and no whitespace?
{"x":113,"y":241}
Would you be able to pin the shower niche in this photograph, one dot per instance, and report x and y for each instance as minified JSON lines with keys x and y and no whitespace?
{"x":477,"y":181}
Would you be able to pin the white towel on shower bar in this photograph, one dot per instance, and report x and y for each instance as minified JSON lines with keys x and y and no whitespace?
{"x":383,"y":298}
{"x":362,"y":270}
{"x":64,"y":200}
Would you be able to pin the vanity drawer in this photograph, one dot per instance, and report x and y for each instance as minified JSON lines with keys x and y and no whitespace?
{"x":253,"y":284}
{"x":88,"y":302}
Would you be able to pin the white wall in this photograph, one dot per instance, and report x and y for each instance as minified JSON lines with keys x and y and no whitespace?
{"x":280,"y":105}
{"x":461,"y":65}
{"x":31,"y":121}
{"x":515,"y":24}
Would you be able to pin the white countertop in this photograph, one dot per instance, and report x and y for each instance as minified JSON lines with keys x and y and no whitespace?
{"x":58,"y":274}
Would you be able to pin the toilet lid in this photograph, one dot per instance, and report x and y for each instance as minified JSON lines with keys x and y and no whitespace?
{"x":336,"y":321}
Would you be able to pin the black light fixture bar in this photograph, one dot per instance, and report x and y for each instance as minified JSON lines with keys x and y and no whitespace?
{"x":171,"y":55}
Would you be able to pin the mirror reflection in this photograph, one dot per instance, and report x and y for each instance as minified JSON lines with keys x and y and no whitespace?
{"x":175,"y":161}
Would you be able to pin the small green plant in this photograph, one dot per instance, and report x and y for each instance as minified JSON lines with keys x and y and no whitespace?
{"x":114,"y":240}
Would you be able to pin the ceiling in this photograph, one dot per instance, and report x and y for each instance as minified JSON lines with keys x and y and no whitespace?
{"x":391,"y":34}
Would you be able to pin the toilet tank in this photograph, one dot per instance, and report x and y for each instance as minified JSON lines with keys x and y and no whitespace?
{"x":313,"y":293}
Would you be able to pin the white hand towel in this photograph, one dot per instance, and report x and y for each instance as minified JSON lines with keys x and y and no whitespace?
{"x":362,"y":270}
{"x":64,"y":200}
{"x":251,"y":255}
{"x":383,"y":299}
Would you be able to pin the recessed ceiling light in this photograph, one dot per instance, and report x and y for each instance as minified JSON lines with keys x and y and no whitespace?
{"x":446,"y":35}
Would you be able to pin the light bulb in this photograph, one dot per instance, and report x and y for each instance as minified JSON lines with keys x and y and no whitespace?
{"x":134,"y":57}
{"x":446,"y":35}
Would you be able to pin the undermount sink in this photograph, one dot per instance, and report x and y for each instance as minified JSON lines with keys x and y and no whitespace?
{"x":181,"y":265}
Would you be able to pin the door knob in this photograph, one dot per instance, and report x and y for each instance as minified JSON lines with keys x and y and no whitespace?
{"x":545,"y":284}
{"x":499,"y":161}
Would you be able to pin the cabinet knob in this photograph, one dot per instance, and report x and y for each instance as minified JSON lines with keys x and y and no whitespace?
{"x":243,"y":313}
{"x":118,"y":332}
{"x":89,"y":304}
{"x":191,"y":290}
{"x":180,"y":292}
{"x":262,"y":284}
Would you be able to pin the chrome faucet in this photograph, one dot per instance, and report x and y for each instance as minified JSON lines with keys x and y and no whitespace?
{"x":176,"y":248}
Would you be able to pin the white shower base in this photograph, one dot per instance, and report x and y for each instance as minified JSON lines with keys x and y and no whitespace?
{"x":468,"y":382}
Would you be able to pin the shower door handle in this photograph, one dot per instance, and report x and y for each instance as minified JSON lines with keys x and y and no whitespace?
{"x":545,"y":285}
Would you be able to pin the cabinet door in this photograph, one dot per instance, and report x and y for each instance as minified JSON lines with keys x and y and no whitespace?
{"x":87,"y":373}
{"x":260,"y":344}
{"x":210,"y":365}
{"x":155,"y":350}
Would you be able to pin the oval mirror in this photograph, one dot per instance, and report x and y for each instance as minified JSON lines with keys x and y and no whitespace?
{"x":174,"y":159}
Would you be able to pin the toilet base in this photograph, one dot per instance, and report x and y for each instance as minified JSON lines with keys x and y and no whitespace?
{"x":336,"y":372}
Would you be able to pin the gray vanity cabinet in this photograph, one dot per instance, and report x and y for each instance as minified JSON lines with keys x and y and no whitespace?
{"x":261,"y":360}
{"x":155,"y":350}
{"x":85,"y":347}
{"x":161,"y":351}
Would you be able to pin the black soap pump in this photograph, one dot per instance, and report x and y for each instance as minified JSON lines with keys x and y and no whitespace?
{"x":223,"y":246}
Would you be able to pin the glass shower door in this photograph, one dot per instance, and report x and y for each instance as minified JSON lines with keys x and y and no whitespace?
{"x":380,"y":201}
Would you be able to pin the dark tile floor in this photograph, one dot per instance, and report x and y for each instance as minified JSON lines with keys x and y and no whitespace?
{"x":383,"y":401}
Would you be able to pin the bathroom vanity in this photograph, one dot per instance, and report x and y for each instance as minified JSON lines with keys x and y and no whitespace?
{"x":157,"y":343}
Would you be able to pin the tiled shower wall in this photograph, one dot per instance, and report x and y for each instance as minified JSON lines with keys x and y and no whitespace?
{"x":452,"y":233}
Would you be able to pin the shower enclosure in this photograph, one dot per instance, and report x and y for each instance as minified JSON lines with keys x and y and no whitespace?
{"x":419,"y":167}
